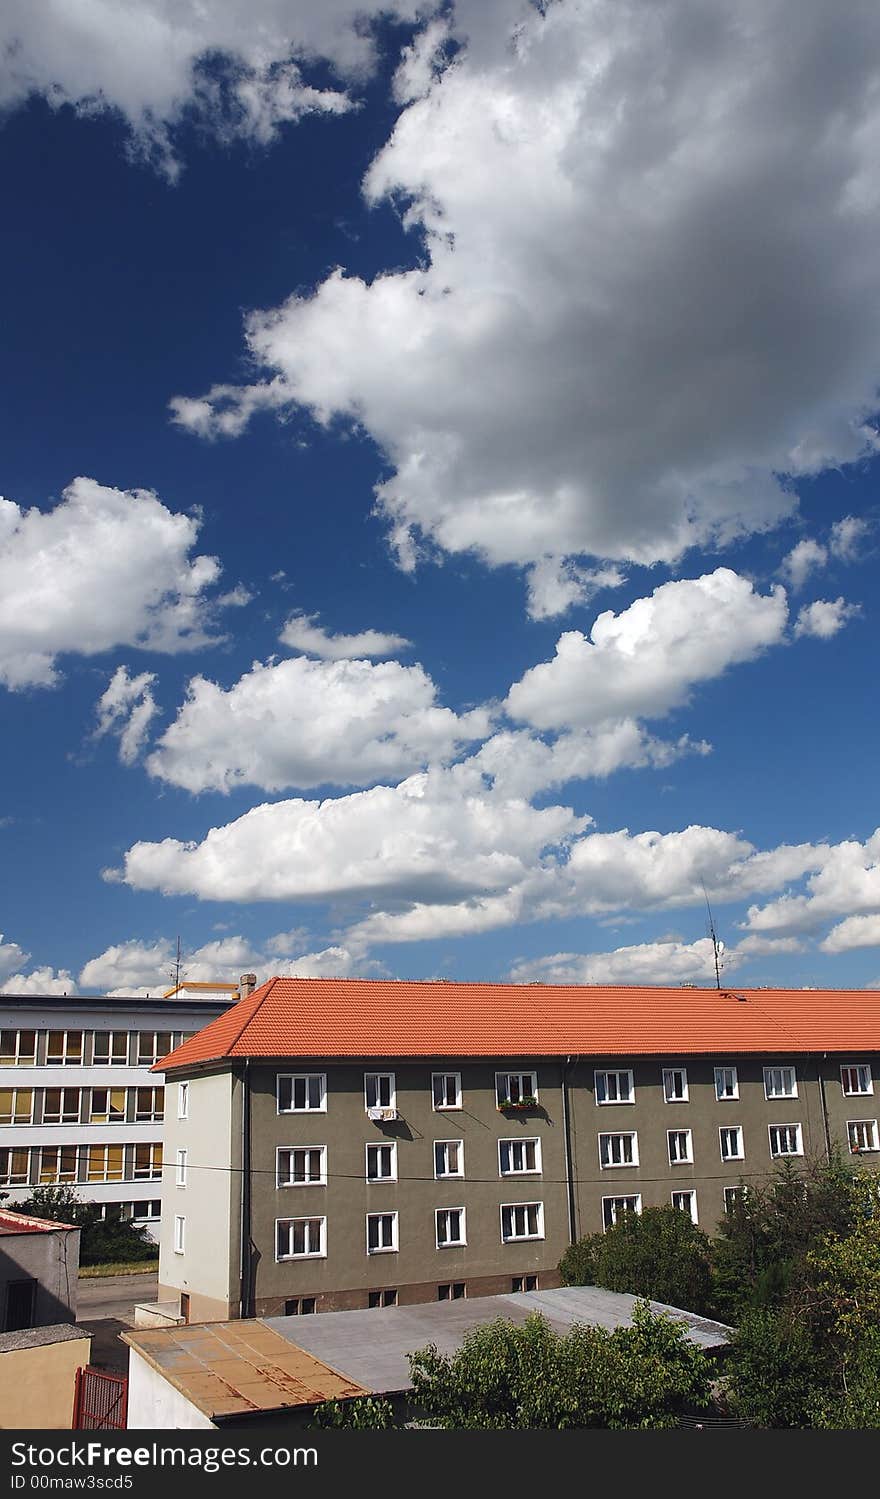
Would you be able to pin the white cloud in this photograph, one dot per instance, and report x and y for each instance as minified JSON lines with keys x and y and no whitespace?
{"x":847,"y":537}
{"x":825,"y":617}
{"x":645,"y":963}
{"x":308,"y":723}
{"x":10,"y":957}
{"x":518,"y":763}
{"x":803,"y":559}
{"x":126,"y":709}
{"x":846,"y":882}
{"x":304,"y":634}
{"x":136,"y":967}
{"x":104,"y":568}
{"x":43,"y":980}
{"x":555,"y":584}
{"x":855,"y":931}
{"x":645,"y":661}
{"x":599,"y":355}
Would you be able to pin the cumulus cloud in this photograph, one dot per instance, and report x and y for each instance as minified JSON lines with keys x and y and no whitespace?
{"x":599,"y":354}
{"x":142,"y":968}
{"x":847,"y":538}
{"x":803,"y":559}
{"x":303,"y":633}
{"x":645,"y":661}
{"x":519,"y":763}
{"x":855,"y":931}
{"x":43,"y":980}
{"x":555,"y":584}
{"x":845,"y":883}
{"x":104,"y":568}
{"x":308,"y":723}
{"x":126,"y":709}
{"x":825,"y":617}
{"x":643,"y":963}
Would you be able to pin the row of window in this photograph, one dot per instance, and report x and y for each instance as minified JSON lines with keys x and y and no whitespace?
{"x":306,"y":1238}
{"x":306,"y":1092}
{"x":82,"y":1105}
{"x":79,"y":1048}
{"x":621,"y":1148}
{"x":50,"y":1165}
{"x":450,"y":1290}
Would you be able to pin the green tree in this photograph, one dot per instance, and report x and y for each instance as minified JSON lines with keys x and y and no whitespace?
{"x":659,"y":1253}
{"x":773,"y":1375}
{"x":102,"y":1241}
{"x":366,"y":1413}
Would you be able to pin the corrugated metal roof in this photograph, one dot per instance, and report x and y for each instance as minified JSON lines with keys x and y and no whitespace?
{"x":337,"y":1018}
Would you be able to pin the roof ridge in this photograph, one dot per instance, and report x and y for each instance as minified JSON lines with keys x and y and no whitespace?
{"x":270,"y":985}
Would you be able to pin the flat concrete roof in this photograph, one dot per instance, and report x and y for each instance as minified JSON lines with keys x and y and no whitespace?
{"x":371,"y":1346}
{"x":38,"y":1337}
{"x":232,"y":1369}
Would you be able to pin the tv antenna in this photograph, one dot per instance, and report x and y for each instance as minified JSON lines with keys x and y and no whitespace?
{"x":717,"y":946}
{"x":175,"y":972}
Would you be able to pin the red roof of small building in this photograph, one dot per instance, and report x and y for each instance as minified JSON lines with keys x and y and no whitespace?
{"x":21,"y":1223}
{"x":338,"y":1018}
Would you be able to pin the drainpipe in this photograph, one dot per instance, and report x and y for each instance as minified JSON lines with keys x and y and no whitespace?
{"x":245,"y":1179}
{"x":569,"y":1174}
{"x":824,"y":1105}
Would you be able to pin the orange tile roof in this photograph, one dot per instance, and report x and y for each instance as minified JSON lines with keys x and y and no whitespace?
{"x":337,"y":1018}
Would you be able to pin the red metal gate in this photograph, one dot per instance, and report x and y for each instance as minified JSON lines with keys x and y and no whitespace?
{"x":100,"y":1401}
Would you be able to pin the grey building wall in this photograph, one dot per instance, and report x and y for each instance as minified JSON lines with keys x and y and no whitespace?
{"x":51,"y":1259}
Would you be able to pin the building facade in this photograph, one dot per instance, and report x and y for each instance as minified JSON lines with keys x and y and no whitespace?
{"x":79,"y":1105}
{"x":315,"y":1161}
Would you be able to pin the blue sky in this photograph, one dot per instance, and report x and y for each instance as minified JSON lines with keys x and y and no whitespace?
{"x":440,"y":531}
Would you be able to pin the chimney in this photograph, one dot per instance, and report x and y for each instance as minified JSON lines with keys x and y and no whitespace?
{"x":247,"y":984}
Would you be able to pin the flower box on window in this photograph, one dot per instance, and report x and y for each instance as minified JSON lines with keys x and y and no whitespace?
{"x":520,"y":1104}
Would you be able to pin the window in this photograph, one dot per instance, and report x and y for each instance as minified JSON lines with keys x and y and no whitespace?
{"x":18,"y":1048}
{"x":614,"y":1087}
{"x":180,"y":1176}
{"x":455,"y":1290}
{"x":300,"y":1238}
{"x":862,"y":1135}
{"x":726,"y":1083}
{"x":619,"y":1150}
{"x":522,"y":1220}
{"x":450,"y":1228}
{"x":379,"y":1092}
{"x":519,"y":1157}
{"x":734,"y":1197}
{"x":524,"y":1283}
{"x":15,"y":1168}
{"x":57,"y":1164}
{"x":147,"y":1162}
{"x":149,"y":1105}
{"x":183,"y":1100}
{"x":302,"y":1166}
{"x":107,"y":1105}
{"x":681,"y":1149}
{"x":302,"y":1093}
{"x":142,"y":1212}
{"x":61,"y":1106}
{"x":785,"y":1139}
{"x":299,"y":1306}
{"x":382,"y":1163}
{"x":732,"y":1143}
{"x":105,"y":1163}
{"x":515,"y":1087}
{"x":64,"y":1049}
{"x":686,"y":1202}
{"x":613,"y":1208}
{"x":856,"y":1079}
{"x":16,"y":1105}
{"x":446,"y":1090}
{"x":151,"y":1045}
{"x":110,"y":1049}
{"x":780,"y":1082}
{"x":448,"y":1158}
{"x":381,"y":1233}
{"x":179,"y":1234}
{"x":675,"y":1084}
{"x":381,"y":1298}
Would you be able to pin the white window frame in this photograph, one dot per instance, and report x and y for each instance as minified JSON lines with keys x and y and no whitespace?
{"x":391,"y":1248}
{"x":183,"y":1100}
{"x":735,"y":1129}
{"x":110,"y":1060}
{"x":616,"y":1073}
{"x":58,"y":1177}
{"x":378,"y":1078}
{"x":378,"y":1147}
{"x":456,"y":1089}
{"x":619,"y":1134}
{"x":139,"y":1173}
{"x":156,"y":1113}
{"x":307,"y":1078}
{"x":151,"y":1057}
{"x":10,"y":1178}
{"x":17,"y":1058}
{"x":513,"y":1208}
{"x":726,"y":1097}
{"x":856,"y":1067}
{"x":667,"y":1073}
{"x":67,"y":1114}
{"x":283,"y":1181}
{"x":103,"y":1115}
{"x":107,"y":1174}
{"x":683,"y":1160}
{"x":13,"y":1119}
{"x":691,"y":1208}
{"x":870,"y":1124}
{"x":180,"y":1169}
{"x":768,"y":1078}
{"x":510,"y":1146}
{"x":740,"y":1193}
{"x":785,"y":1154}
{"x":179,"y":1233}
{"x":450,"y":1243}
{"x":444,"y":1146}
{"x":635,"y":1197}
{"x":512,"y":1087}
{"x":65,"y":1060}
{"x":309,"y":1254}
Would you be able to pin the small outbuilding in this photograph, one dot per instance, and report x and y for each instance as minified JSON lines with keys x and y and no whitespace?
{"x":39,"y":1265}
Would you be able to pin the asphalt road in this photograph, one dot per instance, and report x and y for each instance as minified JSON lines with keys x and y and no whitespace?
{"x":105,"y":1306}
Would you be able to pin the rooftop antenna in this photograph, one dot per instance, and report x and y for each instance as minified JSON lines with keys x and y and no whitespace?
{"x":717,"y":947}
{"x":175,"y":974}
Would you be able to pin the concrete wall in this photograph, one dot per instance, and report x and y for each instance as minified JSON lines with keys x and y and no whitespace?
{"x":52,"y":1260}
{"x":37,"y":1385}
{"x":155,"y":1405}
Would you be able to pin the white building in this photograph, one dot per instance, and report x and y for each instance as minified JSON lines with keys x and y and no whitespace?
{"x":78,"y":1104}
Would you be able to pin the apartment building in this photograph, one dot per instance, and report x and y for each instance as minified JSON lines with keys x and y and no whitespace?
{"x":335,"y":1144}
{"x":79,"y":1105}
